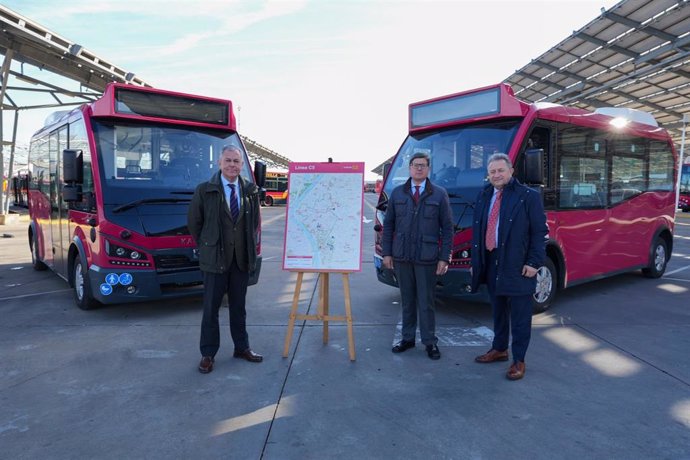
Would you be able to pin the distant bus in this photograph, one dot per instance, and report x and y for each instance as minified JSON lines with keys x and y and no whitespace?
{"x":608,"y":191}
{"x":276,"y":187}
{"x":110,"y":186}
{"x":378,"y":186}
{"x":684,"y":191}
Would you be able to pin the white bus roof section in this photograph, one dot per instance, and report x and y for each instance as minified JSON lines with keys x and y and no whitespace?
{"x":636,"y":55}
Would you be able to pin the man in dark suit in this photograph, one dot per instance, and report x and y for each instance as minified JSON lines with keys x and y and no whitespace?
{"x":508,"y":247}
{"x":418,"y":218}
{"x":223,"y":218}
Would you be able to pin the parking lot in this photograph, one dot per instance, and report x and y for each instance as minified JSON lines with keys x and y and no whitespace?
{"x":608,"y":374}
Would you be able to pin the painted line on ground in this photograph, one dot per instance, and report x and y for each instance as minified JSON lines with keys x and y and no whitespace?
{"x":676,"y":271}
{"x":34,"y":294}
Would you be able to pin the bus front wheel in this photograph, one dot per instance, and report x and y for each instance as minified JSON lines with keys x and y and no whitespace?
{"x":35,"y":260}
{"x":659,"y":258}
{"x":269,"y":200}
{"x":82,"y":286}
{"x":547,"y":285}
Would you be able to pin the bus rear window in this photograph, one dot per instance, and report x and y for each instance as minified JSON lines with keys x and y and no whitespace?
{"x":132,"y":102}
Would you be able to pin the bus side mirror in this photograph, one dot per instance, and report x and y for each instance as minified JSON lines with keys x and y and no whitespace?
{"x":260,"y":173}
{"x":72,"y":166}
{"x":71,"y":193}
{"x":534,"y":166}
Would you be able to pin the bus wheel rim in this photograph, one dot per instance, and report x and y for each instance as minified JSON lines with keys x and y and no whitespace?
{"x":544,"y":285}
{"x":660,"y":257}
{"x":79,"y":281}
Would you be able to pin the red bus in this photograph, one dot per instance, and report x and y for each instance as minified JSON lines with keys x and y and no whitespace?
{"x":276,"y":187}
{"x":110,"y":186}
{"x":608,"y":191}
{"x":684,"y":190}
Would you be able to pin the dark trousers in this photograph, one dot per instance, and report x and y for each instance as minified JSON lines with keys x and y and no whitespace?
{"x":417,"y":283}
{"x":216,"y":285}
{"x":512,"y":314}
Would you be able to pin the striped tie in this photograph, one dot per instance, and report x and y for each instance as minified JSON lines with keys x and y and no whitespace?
{"x":234,"y":208}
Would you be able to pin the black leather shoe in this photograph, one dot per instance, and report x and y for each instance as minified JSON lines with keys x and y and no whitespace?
{"x":433,"y":352}
{"x":403,"y":345}
{"x":206,"y":364}
{"x":249,"y":355}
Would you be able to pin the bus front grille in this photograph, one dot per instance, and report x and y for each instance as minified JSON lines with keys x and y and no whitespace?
{"x":165,"y":263}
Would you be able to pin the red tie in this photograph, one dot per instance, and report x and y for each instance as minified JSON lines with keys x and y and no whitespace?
{"x":416,"y":194}
{"x":491,"y":223}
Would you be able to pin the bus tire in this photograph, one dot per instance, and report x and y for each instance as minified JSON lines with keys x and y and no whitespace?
{"x":35,"y":260}
{"x":269,"y":200}
{"x":82,"y":285}
{"x":658,"y":259}
{"x":547,"y":285}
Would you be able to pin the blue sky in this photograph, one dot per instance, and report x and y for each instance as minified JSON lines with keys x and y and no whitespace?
{"x":315,"y":79}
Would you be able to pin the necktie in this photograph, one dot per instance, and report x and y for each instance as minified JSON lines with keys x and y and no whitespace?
{"x":416,"y":194}
{"x":491,"y":222}
{"x":234,"y":208}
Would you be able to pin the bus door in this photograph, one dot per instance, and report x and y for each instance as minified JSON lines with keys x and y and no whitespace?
{"x":59,"y":222}
{"x":582,"y":186}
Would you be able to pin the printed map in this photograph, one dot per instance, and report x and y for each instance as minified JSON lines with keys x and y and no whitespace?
{"x":324,"y":217}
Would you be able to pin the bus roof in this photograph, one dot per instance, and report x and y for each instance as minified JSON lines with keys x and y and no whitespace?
{"x":135,"y":102}
{"x":499,"y":101}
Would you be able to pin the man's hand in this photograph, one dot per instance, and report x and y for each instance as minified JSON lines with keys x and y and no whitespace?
{"x":388,"y":262}
{"x":441,"y":267}
{"x":528,"y":271}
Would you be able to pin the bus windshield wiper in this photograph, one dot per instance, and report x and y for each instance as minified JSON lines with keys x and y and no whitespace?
{"x":462,"y":198}
{"x":136,"y":203}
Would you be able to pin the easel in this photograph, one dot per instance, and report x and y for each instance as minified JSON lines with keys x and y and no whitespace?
{"x":322,"y":313}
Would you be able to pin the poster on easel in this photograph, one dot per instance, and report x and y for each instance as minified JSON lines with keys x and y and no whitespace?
{"x":323,"y":228}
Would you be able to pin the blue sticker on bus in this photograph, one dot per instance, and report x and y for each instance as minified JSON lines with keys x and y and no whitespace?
{"x":106,"y":289}
{"x":112,"y":279}
{"x":125,"y":279}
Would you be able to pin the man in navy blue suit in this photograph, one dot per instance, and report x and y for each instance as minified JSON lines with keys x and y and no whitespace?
{"x":509,"y":245}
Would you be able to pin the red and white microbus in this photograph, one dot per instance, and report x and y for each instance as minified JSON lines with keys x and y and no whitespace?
{"x":110,"y":186}
{"x":607,"y":180}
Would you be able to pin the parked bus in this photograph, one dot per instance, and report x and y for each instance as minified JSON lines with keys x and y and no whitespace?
{"x":608,"y":184}
{"x":276,"y":187}
{"x":110,"y":186}
{"x":684,"y":191}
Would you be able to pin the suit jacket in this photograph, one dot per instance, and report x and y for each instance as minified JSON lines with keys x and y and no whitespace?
{"x":411,"y":233}
{"x":522,"y":234}
{"x":204,"y":221}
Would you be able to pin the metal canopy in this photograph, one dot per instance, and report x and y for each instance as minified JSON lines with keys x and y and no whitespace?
{"x":33,"y":44}
{"x":635,"y":55}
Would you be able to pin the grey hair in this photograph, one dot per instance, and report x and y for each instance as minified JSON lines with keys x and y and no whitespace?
{"x":499,"y":157}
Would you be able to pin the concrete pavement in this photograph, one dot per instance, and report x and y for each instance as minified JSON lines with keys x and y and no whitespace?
{"x":607,"y":373}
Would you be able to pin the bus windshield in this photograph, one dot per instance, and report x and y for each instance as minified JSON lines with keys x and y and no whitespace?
{"x":458,"y":159}
{"x":146,"y":160}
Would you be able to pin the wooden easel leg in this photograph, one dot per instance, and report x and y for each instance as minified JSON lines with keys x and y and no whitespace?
{"x":325,"y":296}
{"x":348,"y":316}
{"x":293,"y":314}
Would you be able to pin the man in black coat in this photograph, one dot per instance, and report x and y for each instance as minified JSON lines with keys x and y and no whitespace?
{"x":508,"y":247}
{"x":223,"y":218}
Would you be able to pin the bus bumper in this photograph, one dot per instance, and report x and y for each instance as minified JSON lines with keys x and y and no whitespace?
{"x":454,"y":284}
{"x":112,"y":286}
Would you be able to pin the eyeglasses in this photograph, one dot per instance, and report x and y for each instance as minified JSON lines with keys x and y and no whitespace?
{"x":419,"y":165}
